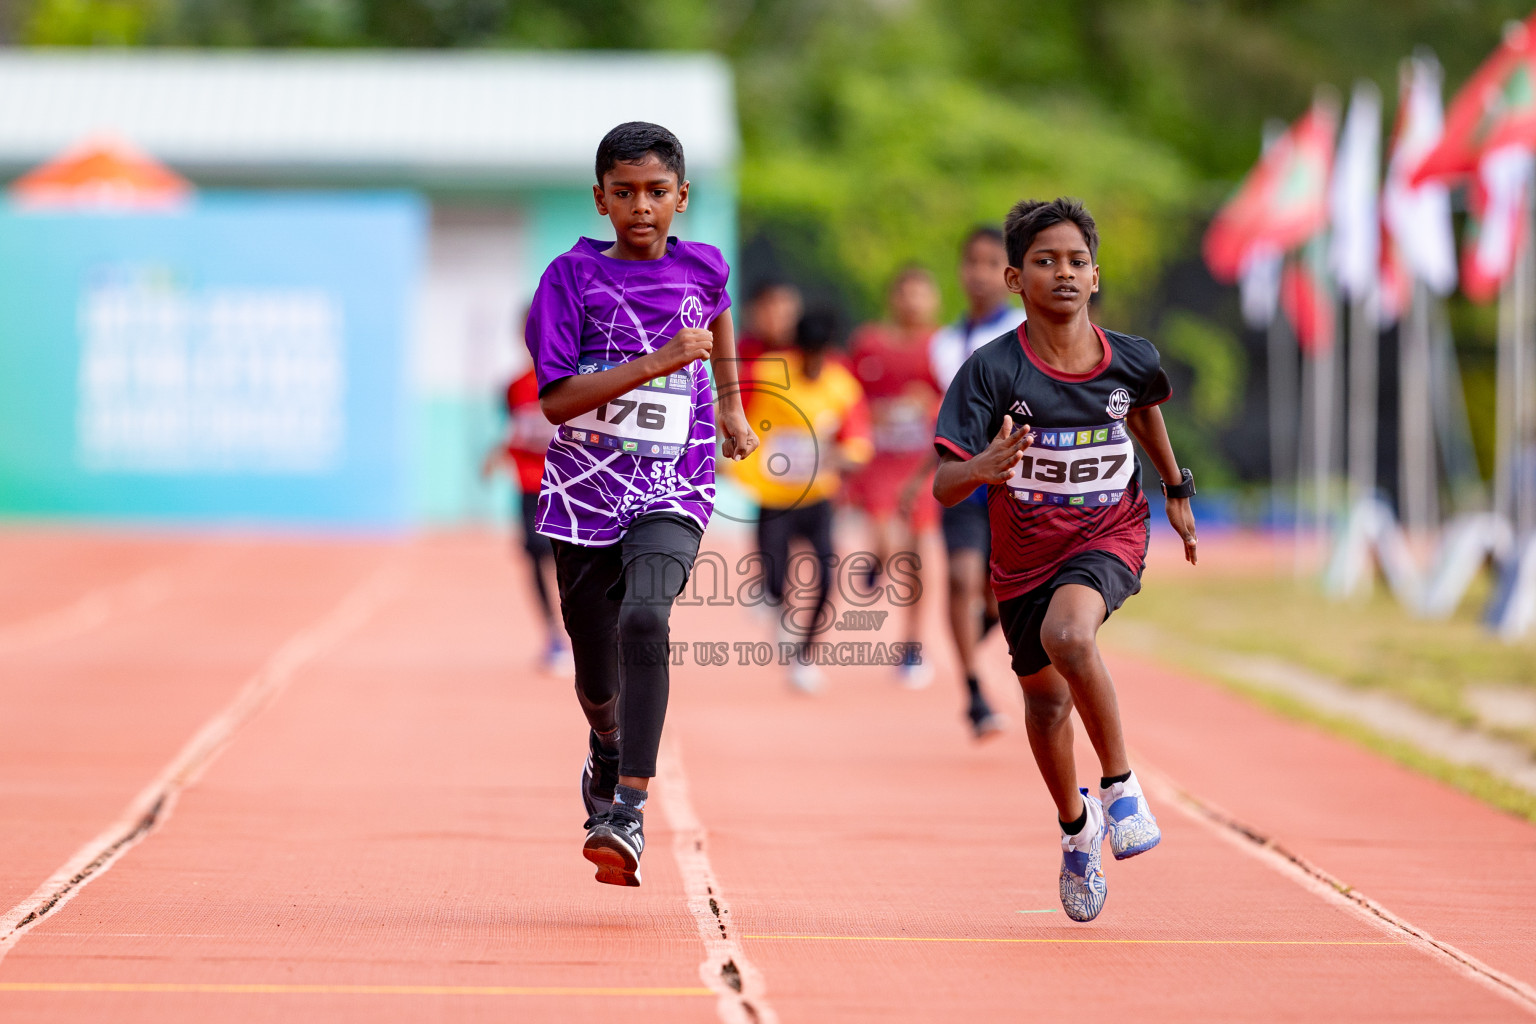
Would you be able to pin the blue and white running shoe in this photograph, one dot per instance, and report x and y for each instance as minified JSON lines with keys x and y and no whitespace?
{"x":1132,"y":829}
{"x":1083,"y":889}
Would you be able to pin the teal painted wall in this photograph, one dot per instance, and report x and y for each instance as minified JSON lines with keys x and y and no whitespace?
{"x":239,"y":360}
{"x":406,"y":457}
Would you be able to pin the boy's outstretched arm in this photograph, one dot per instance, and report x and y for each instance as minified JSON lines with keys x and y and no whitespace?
{"x":1147,"y":426}
{"x":738,"y":438}
{"x":956,"y":478}
{"x":583,"y":392}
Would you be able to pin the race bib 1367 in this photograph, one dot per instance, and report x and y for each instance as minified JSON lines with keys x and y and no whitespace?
{"x":1089,"y":467}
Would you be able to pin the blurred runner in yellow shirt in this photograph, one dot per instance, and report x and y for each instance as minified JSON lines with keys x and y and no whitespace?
{"x":811,"y":416}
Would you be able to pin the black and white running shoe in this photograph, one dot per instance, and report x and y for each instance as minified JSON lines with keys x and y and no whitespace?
{"x":985,"y":723}
{"x":614,"y":843}
{"x":599,"y":775}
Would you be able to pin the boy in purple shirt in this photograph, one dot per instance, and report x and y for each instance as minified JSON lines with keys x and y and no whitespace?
{"x":619,"y":332}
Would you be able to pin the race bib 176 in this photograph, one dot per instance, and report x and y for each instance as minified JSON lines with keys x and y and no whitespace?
{"x":652,"y":421}
{"x":1090,"y":467}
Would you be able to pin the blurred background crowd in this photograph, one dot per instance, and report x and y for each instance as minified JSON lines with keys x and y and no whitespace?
{"x":874,"y":134}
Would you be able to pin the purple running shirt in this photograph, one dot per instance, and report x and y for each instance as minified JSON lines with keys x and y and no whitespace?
{"x":653,"y":449}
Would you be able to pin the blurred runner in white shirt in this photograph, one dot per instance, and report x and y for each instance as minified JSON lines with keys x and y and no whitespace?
{"x":990,"y":311}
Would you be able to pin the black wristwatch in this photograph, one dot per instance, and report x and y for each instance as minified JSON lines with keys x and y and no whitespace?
{"x":1185,"y":488}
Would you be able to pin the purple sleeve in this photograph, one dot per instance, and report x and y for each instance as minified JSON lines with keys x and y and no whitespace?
{"x":722,"y":271}
{"x":554,"y":325}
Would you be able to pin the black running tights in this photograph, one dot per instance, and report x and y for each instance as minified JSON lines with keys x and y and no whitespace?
{"x":776,"y":528}
{"x":617,"y":604}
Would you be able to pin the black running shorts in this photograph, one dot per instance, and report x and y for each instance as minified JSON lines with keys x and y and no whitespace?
{"x":1022,"y":616}
{"x":587,"y":573}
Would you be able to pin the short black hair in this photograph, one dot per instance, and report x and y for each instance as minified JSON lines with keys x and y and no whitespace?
{"x":632,"y":140}
{"x":771,"y":284}
{"x":908,"y":271}
{"x":816,"y":331}
{"x":1029,"y":217}
{"x":991,"y":232}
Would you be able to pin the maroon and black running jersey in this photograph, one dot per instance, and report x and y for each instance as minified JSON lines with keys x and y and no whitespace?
{"x":1078,"y":487}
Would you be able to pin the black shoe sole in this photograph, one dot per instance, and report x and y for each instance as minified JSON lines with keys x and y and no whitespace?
{"x":616,"y":862}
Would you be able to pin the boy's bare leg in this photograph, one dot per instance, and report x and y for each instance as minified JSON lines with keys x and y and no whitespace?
{"x":967,"y":582}
{"x":1048,"y":724}
{"x":910,"y":541}
{"x":882,"y":534}
{"x":1069,"y":636}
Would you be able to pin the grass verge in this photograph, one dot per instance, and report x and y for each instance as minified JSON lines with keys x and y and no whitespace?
{"x":1372,"y":644}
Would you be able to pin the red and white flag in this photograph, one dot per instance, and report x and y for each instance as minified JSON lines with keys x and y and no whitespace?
{"x":1306,"y":296}
{"x":1283,"y":202}
{"x":1497,"y":211}
{"x":1495,"y":109}
{"x":1419,"y":242}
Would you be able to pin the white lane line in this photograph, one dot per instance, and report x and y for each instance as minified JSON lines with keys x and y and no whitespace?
{"x":1330,"y":889}
{"x":86,"y":612}
{"x":725,"y":970}
{"x":154,"y":804}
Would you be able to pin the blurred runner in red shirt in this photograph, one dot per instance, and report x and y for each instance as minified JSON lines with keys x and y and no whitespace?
{"x":891,"y":361}
{"x":773,"y":311}
{"x":522,"y":452}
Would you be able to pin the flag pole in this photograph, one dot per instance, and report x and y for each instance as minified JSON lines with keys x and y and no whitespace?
{"x":1363,"y":390}
{"x":1525,"y":327}
{"x":1306,"y":430}
{"x":1282,"y":415}
{"x":1416,"y":453}
{"x":1467,"y":488}
{"x":1324,"y":376}
{"x":1504,"y":406}
{"x":1512,"y":612}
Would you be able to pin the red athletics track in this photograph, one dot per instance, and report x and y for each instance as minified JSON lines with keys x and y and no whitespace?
{"x":323,"y":781}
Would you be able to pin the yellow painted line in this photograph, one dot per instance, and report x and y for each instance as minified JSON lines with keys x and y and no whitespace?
{"x":1106,"y":942}
{"x":340,"y":990}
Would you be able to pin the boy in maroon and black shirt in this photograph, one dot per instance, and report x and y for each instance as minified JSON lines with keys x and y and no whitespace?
{"x":1067,"y":514}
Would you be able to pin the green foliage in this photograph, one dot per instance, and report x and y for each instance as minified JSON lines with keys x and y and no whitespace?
{"x":1208,"y":363}
{"x":286,"y":23}
{"x":876,"y":132}
{"x":88,"y":22}
{"x":898,"y":157}
{"x":1200,"y":619}
{"x":1215,"y":360}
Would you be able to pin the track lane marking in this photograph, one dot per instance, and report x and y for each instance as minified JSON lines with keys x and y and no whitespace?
{"x":88,"y":611}
{"x":340,"y":990}
{"x":1090,"y":942}
{"x":1330,"y":889}
{"x":725,"y":969}
{"x":156,"y":801}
